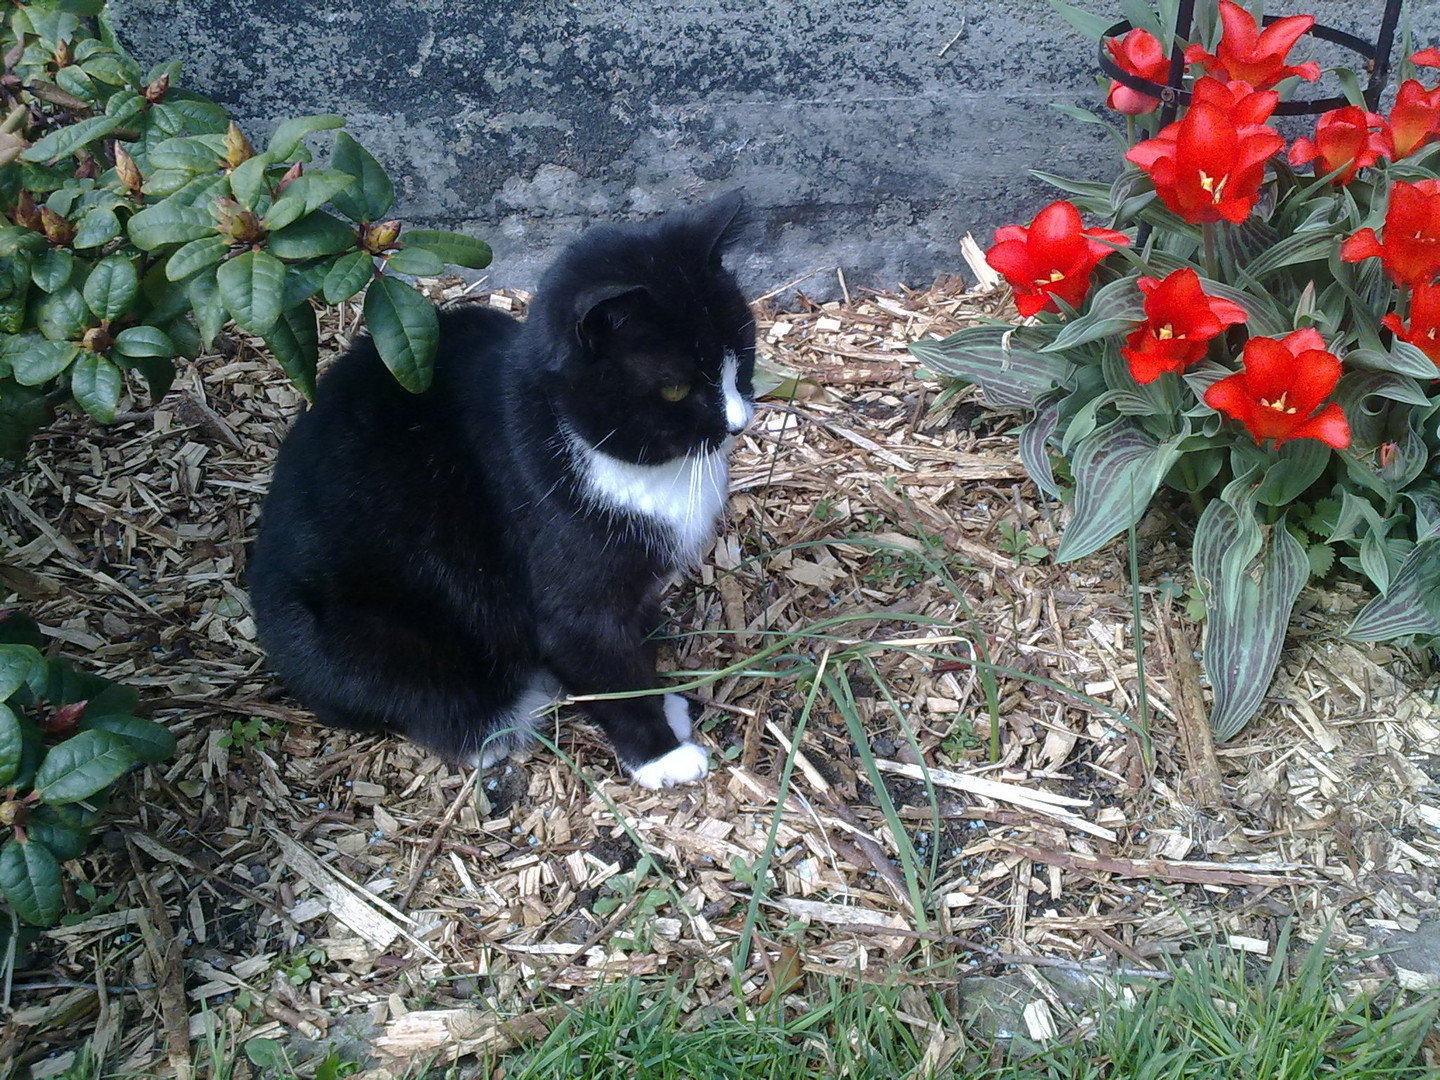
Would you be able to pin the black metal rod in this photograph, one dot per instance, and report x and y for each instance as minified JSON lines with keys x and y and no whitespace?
{"x":1172,"y":96}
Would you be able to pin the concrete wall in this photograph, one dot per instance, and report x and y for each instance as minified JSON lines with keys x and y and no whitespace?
{"x":520,"y":121}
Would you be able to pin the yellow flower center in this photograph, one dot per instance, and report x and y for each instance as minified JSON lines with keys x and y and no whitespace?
{"x":1055,"y":275}
{"x":1279,"y":404}
{"x":1165,"y":333}
{"x":1216,"y":188}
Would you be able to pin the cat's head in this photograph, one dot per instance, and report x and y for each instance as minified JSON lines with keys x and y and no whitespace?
{"x":647,"y":341}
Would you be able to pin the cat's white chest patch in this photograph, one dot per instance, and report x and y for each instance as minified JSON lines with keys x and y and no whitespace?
{"x":685,"y":496}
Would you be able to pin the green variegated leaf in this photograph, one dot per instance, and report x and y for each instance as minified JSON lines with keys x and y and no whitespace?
{"x":294,"y":339}
{"x":81,"y":765}
{"x":405,"y":329}
{"x":1292,"y":250}
{"x":1402,"y":359}
{"x":1116,"y":308}
{"x":30,"y":881}
{"x":1004,"y":361}
{"x":1263,"y":317}
{"x":372,"y":193}
{"x":1250,"y":583}
{"x":1409,"y":605}
{"x":1117,"y":469}
{"x":96,"y":384}
{"x":252,"y":285}
{"x":455,"y":248}
{"x":1035,"y":443}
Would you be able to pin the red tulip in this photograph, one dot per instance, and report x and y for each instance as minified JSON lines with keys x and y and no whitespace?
{"x":1348,"y":139}
{"x":1424,"y":329}
{"x":1252,"y":55}
{"x":1051,"y":257}
{"x":1137,"y":53}
{"x":1240,"y":101}
{"x":1410,"y":251}
{"x":1414,"y":118}
{"x":1179,"y":320}
{"x":1281,"y":385}
{"x":1426,"y":58}
{"x":1207,"y":165}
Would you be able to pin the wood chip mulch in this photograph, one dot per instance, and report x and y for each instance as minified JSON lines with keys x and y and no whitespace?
{"x":285,"y":880}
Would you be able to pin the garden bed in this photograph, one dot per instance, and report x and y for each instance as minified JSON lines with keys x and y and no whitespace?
{"x":277,"y":878}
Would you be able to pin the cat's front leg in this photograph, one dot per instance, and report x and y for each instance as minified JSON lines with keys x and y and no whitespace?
{"x":650,"y":733}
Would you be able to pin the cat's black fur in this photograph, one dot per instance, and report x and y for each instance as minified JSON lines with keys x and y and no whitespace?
{"x":437,"y":565}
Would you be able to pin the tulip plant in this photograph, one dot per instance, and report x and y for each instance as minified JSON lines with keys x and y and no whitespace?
{"x":1254,"y":326}
{"x":137,"y":220}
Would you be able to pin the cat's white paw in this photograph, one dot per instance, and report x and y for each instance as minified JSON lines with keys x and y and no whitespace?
{"x":683,"y":765}
{"x":677,"y":715}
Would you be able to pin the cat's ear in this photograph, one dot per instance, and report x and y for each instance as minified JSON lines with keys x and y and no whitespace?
{"x":602,"y":310}
{"x":721,"y":221}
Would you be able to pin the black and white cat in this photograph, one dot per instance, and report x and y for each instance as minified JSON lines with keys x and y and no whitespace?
{"x":444,"y":565}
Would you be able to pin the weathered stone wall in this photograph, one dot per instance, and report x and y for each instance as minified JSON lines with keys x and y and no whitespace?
{"x":869,"y":136}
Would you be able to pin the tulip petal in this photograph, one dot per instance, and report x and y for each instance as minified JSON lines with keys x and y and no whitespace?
{"x":1328,"y":425}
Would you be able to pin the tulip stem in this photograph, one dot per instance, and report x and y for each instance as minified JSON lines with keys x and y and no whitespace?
{"x":1207,"y":239}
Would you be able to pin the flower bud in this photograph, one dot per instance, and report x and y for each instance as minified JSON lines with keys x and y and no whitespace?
{"x":238,"y":222}
{"x":56,"y":229}
{"x":13,"y":813}
{"x":155,"y":92}
{"x":64,"y":720}
{"x":97,"y":339}
{"x":25,"y":214}
{"x":379,"y":237}
{"x":237,"y":147}
{"x":63,"y":57}
{"x":126,"y":170}
{"x":291,"y":175}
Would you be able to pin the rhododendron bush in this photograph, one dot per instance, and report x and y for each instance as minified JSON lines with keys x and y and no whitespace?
{"x":1250,"y":319}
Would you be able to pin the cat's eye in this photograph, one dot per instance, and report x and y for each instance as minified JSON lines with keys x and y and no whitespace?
{"x":678,"y":392}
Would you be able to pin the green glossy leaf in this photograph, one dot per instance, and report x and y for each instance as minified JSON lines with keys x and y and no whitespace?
{"x":1117,"y":469}
{"x":302,"y":281}
{"x":111,"y":287}
{"x":53,"y":270}
{"x":98,"y":225}
{"x":142,"y":341}
{"x":283,"y":211}
{"x":23,"y":411}
{"x":455,"y":248}
{"x":209,"y":310}
{"x":66,"y":140}
{"x":252,"y":286}
{"x":294,"y":340}
{"x":30,"y":881}
{"x":372,"y":194}
{"x":20,"y":665}
{"x":35,"y":360}
{"x":167,"y":223}
{"x":12,"y":744}
{"x":195,"y":256}
{"x":1250,"y":581}
{"x":150,"y":742}
{"x":405,"y":329}
{"x":96,"y":384}
{"x":416,"y":262}
{"x":247,"y":181}
{"x":288,"y":133}
{"x":1407,"y":607}
{"x":348,"y":276}
{"x":1005,"y":361}
{"x":315,"y":189}
{"x":64,"y":314}
{"x":81,"y":765}
{"x":60,"y":838}
{"x":190,"y":153}
{"x":311,"y":237}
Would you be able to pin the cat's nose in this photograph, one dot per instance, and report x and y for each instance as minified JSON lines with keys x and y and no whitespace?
{"x":737,"y":413}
